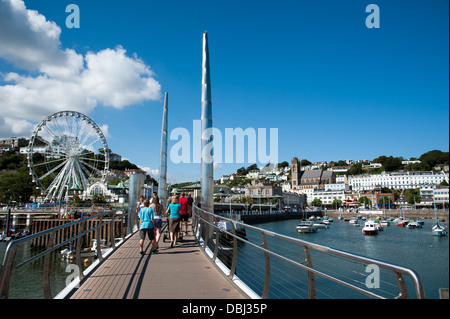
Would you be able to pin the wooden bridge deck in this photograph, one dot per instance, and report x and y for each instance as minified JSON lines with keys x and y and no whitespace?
{"x":181,"y":272}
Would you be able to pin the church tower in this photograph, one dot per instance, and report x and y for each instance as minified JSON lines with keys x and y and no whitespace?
{"x":295,"y":172}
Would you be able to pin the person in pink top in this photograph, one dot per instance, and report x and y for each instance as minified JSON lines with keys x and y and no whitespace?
{"x":184,"y":216}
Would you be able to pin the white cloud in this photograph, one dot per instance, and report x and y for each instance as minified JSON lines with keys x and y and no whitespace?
{"x":152,"y":172}
{"x":61,"y":78}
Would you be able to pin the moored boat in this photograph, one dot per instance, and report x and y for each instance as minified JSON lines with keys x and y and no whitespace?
{"x":402,"y":222}
{"x":384,"y":223}
{"x":354,"y":222}
{"x":320,"y":225}
{"x":370,"y":228}
{"x":306,"y":227}
{"x":439,"y":230}
{"x":412,"y":225}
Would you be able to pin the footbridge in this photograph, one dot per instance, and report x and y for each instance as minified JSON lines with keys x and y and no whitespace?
{"x":236,"y":261}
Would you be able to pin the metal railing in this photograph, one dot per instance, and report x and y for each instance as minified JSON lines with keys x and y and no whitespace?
{"x":273,"y":265}
{"x":60,"y":237}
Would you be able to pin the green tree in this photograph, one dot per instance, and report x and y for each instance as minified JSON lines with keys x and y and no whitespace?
{"x":385,"y":200}
{"x":392,"y":163}
{"x":283,"y":164}
{"x":16,"y":187}
{"x":316,"y":202}
{"x":336,"y":203}
{"x":305,"y":162}
{"x":435,"y":157}
{"x":355,"y":169}
{"x":413,"y":196}
{"x":365,"y":201}
{"x":380,"y":159}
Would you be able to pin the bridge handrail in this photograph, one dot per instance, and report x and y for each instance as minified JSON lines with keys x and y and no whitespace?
{"x":307,"y":264}
{"x":9,"y":263}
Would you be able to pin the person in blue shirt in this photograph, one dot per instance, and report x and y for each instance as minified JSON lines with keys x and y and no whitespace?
{"x":146,"y":227}
{"x":173,"y":211}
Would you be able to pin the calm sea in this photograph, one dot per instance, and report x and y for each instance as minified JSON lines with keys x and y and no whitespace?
{"x":416,"y":249}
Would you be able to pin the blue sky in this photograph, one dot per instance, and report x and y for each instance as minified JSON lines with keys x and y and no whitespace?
{"x":334,"y":88}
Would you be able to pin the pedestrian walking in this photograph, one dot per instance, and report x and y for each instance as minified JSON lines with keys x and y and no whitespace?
{"x":173,"y":212}
{"x":190,"y":203}
{"x":156,"y":206}
{"x":184,"y":216}
{"x":139,"y":205}
{"x":146,"y":226}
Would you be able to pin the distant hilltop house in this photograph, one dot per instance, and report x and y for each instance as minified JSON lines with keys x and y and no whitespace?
{"x":128,"y":172}
{"x":115,"y":157}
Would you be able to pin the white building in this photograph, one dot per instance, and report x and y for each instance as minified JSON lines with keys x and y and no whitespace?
{"x":441,"y":195}
{"x":396,"y":180}
{"x":337,"y":187}
{"x":37,"y":149}
{"x":341,"y":179}
{"x":224,"y":178}
{"x":254,"y":174}
{"x":326,"y":196}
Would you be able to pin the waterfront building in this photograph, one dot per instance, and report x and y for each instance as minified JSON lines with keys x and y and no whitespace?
{"x":397,"y":180}
{"x":262,"y":189}
{"x":291,"y":199}
{"x":327,"y":196}
{"x":376,"y":195}
{"x":441,"y":196}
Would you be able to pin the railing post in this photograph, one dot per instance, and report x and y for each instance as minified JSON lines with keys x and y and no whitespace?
{"x":234,"y":258}
{"x":311,"y":280}
{"x":98,"y":238}
{"x":78,"y":248}
{"x":5,"y":275}
{"x":265,"y":293}
{"x":113,"y":230}
{"x":46,"y":272}
{"x":402,"y":289}
{"x":216,"y":246}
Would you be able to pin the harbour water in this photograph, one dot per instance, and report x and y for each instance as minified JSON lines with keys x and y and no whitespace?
{"x":26,"y":283}
{"x":416,"y":249}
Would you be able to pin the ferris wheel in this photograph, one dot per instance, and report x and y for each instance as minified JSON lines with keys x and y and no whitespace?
{"x":67,"y":152}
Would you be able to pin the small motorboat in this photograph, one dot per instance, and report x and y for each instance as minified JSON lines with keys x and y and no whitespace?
{"x":370,"y":228}
{"x":306,"y":227}
{"x":354,"y":222}
{"x":412,"y":225}
{"x":321,"y":225}
{"x":402,"y":222}
{"x":384,"y":223}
